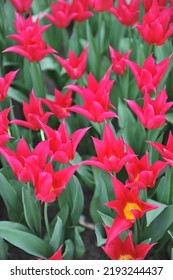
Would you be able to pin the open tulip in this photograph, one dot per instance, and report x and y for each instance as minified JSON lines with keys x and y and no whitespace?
{"x":96,"y":99}
{"x":112,"y":153}
{"x":81,"y":9}
{"x":126,"y":12}
{"x":101,"y":5}
{"x":155,"y":28}
{"x":60,"y":105}
{"x":152,"y":114}
{"x":29,"y":38}
{"x":150,"y":74}
{"x":33,"y":112}
{"x":22,"y":6}
{"x":166,"y":151}
{"x":126,"y":250}
{"x":142,"y":174}
{"x":148,"y":4}
{"x":61,"y":14}
{"x":62,"y":145}
{"x":4,"y":122}
{"x":5,"y":83}
{"x":118,"y":62}
{"x":74,"y":66}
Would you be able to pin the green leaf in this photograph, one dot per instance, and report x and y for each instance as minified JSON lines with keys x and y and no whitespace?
{"x":78,"y":201}
{"x":159,"y":225}
{"x":151,"y":215}
{"x":100,"y":234}
{"x":24,"y":240}
{"x":32,"y":211}
{"x":107,"y":220}
{"x":126,"y":117}
{"x":78,"y":243}
{"x":69,"y":250}
{"x":3,"y":249}
{"x":100,"y":197}
{"x":9,"y":196}
{"x":16,"y":95}
{"x":37,"y":80}
{"x":56,"y":238}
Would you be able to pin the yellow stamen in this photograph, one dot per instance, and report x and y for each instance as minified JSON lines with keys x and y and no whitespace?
{"x":128,"y":210}
{"x":125,"y":257}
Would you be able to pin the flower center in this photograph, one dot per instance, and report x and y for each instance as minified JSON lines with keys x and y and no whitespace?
{"x":128,"y":210}
{"x":125,"y":257}
{"x":136,"y":177}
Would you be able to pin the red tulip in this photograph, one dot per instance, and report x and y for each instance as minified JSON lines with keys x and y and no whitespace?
{"x":74,"y":66}
{"x":128,"y":206}
{"x":33,"y":112}
{"x":142,"y":174}
{"x":155,"y":28}
{"x":61,"y":14}
{"x":22,"y":6}
{"x":126,"y":13}
{"x":81,"y":9}
{"x":29,"y":38}
{"x":148,"y":4}
{"x":152,"y":115}
{"x":96,"y":99}
{"x":112,"y":153}
{"x":166,"y":151}
{"x":61,"y":104}
{"x":17,"y":160}
{"x":62,"y":145}
{"x":5,"y":84}
{"x":150,"y":75}
{"x":101,"y":5}
{"x":56,"y":256}
{"x":125,"y":250}
{"x":47,"y":183}
{"x":4,"y":122}
{"x":118,"y":62}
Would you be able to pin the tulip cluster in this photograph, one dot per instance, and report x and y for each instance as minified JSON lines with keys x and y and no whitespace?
{"x":86,"y":100}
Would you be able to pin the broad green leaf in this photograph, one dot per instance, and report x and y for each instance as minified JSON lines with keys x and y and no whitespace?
{"x":69,"y":250}
{"x":3,"y":249}
{"x":159,"y":226}
{"x":37,"y":80}
{"x":100,"y":234}
{"x":24,"y":240}
{"x":32,"y":211}
{"x":78,"y":243}
{"x":107,"y":220}
{"x":126,"y":117}
{"x":56,"y":238}
{"x":151,"y":215}
{"x":78,"y":201}
{"x":16,"y":95}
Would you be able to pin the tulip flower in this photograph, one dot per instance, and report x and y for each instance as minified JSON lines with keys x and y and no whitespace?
{"x":150,"y":75}
{"x":17,"y":160}
{"x":74,"y":66}
{"x":81,"y":9}
{"x":5,"y":83}
{"x":33,"y":112}
{"x":4,"y":122}
{"x":112,"y":153}
{"x":29,"y":38}
{"x":118,"y":62}
{"x":96,"y":99}
{"x":148,"y":4}
{"x":61,"y":104}
{"x":152,"y":115}
{"x":126,"y":13}
{"x":61,"y":14}
{"x":141,"y":174}
{"x":101,"y":5}
{"x":47,"y":183}
{"x":22,"y":6}
{"x":128,"y":206}
{"x":125,"y":250}
{"x":62,"y":145}
{"x":155,"y":28}
{"x":166,"y":151}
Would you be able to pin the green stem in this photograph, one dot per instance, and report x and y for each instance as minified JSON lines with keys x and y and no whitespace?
{"x":42,"y":135}
{"x":46,"y":220}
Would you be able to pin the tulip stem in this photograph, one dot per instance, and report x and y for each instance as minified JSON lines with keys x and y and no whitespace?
{"x":46,"y":220}
{"x":42,"y":135}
